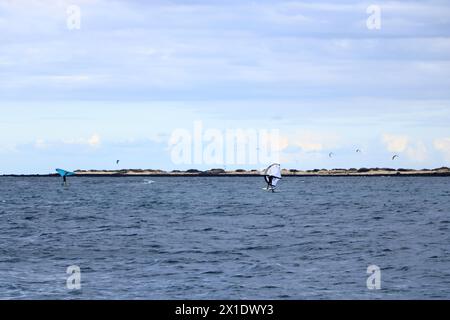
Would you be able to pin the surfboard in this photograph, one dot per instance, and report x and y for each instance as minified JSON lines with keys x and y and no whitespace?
{"x":270,"y":190}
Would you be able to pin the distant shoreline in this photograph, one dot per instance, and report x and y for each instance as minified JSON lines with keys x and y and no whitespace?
{"x":362,"y":172}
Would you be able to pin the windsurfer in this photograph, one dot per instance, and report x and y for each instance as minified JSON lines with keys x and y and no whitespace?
{"x":269,"y":183}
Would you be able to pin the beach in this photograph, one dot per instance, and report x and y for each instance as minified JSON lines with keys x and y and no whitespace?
{"x":444,"y":171}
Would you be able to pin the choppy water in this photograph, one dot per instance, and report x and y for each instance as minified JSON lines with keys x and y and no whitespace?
{"x":225,"y":238}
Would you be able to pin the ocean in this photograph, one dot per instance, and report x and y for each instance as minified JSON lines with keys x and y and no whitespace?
{"x":225,"y":238}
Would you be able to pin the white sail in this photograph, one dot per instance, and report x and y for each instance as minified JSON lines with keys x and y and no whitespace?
{"x":273,"y":171}
{"x":275,"y":182}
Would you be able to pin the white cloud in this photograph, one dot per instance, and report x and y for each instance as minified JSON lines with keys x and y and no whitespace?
{"x":281,"y":142}
{"x":93,"y":141}
{"x":395,"y":143}
{"x":310,"y":145}
{"x":40,"y":144}
{"x":310,"y":141}
{"x":418,"y":152}
{"x":8,"y":148}
{"x":443,"y":145}
{"x":269,"y":43}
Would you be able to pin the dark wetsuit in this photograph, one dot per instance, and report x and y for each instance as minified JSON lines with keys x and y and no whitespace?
{"x":270,"y":186}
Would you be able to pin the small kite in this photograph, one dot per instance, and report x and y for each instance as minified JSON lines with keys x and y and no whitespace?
{"x":64,"y":174}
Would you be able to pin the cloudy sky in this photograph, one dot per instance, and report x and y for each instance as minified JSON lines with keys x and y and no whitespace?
{"x":135,"y":71}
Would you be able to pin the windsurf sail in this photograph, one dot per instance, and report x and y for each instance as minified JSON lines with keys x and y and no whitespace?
{"x":64,"y":173}
{"x":272,"y":175}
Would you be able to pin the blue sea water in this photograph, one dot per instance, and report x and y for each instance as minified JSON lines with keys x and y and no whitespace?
{"x":225,"y":238}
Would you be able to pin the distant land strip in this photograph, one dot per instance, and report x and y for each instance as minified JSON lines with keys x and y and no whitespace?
{"x":443,"y":171}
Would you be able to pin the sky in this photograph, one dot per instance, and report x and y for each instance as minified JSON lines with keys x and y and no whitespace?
{"x":119,"y":83}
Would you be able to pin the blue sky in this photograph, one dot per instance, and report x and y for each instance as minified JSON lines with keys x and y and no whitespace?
{"x":137,"y":70}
